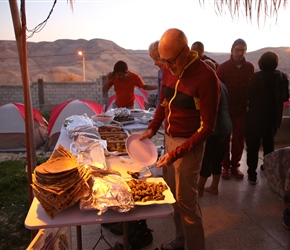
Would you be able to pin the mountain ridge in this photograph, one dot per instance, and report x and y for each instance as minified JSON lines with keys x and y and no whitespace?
{"x":59,"y":60}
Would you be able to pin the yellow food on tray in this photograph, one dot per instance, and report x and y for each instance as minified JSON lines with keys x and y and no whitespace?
{"x":116,"y":146}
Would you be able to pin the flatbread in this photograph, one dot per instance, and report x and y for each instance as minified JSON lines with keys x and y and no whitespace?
{"x":60,"y":182}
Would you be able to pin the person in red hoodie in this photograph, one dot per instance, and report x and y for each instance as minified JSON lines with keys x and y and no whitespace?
{"x":188,"y":105}
{"x":236,"y":73}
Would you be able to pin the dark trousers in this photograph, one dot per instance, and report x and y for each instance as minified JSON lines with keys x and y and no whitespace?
{"x":254,"y":138}
{"x":213,"y":155}
{"x":235,"y":145}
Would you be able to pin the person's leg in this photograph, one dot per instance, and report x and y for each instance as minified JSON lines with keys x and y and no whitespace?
{"x":183,"y":177}
{"x":200,"y":186}
{"x":268,"y":140}
{"x":214,"y":186}
{"x":253,"y":141}
{"x":218,"y":149}
{"x":238,"y":142}
{"x":226,"y":163}
{"x":205,"y":170}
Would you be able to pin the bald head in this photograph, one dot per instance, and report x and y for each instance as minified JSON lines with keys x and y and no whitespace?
{"x":172,"y":40}
{"x":174,"y":51}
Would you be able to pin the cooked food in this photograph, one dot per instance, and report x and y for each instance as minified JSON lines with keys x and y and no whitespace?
{"x":116,"y":146}
{"x":143,"y":191}
{"x":110,"y":129}
{"x":114,"y":137}
{"x":124,"y":118}
{"x":134,"y":175}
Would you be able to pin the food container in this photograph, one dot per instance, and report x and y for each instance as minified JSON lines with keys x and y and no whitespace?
{"x":137,"y":113}
{"x":118,"y":146}
{"x":111,"y":129}
{"x":104,"y":118}
{"x":115,"y":137}
{"x":118,"y":136}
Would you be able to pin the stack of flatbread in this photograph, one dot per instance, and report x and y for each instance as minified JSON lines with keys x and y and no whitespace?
{"x":60,"y":182}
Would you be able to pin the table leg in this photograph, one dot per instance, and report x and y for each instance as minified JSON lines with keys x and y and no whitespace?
{"x":79,"y":238}
{"x":126,"y":234}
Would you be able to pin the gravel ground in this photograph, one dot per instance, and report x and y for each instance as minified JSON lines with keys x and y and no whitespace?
{"x":5,"y":156}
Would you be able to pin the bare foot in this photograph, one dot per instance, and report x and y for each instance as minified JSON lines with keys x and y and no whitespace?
{"x":211,"y":190}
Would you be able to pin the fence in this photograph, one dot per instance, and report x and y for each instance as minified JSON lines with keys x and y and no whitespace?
{"x":45,"y":95}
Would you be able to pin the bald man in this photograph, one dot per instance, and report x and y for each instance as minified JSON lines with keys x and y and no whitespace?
{"x":189,"y":100}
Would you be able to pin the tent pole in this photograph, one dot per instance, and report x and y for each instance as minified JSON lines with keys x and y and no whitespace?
{"x":20,"y":35}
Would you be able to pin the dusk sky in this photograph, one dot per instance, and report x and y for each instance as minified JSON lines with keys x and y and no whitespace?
{"x":135,"y":24}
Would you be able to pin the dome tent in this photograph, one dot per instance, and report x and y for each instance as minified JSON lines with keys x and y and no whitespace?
{"x":139,"y":102}
{"x":12,"y":128}
{"x":64,"y":110}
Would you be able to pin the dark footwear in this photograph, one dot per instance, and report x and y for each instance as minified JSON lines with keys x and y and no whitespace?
{"x":117,"y":228}
{"x":237,"y":173}
{"x":226,"y":174}
{"x":253,"y":180}
{"x":118,"y":246}
{"x":286,"y":218}
{"x":107,"y":225}
{"x":140,"y":235}
{"x":171,"y":246}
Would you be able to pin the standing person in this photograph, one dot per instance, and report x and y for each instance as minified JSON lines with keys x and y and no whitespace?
{"x":199,"y":47}
{"x":268,"y":90}
{"x":189,"y":100}
{"x":236,"y":73}
{"x":215,"y":144}
{"x":154,"y":54}
{"x":124,"y":82}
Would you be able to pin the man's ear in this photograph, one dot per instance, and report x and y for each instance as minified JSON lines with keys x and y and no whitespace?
{"x":187,"y":50}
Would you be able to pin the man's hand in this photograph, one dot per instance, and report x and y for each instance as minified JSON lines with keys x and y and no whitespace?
{"x":108,"y":83}
{"x":110,"y":75}
{"x":164,"y":161}
{"x":147,"y":134}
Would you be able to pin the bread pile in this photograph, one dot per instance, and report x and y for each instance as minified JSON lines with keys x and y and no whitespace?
{"x":60,"y":182}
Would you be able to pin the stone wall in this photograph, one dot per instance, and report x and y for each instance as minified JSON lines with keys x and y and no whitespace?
{"x":45,"y":95}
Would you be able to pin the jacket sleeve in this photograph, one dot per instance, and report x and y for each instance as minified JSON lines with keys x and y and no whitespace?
{"x":285,"y":87}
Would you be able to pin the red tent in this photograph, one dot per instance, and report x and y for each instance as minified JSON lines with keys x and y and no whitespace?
{"x":62,"y":111}
{"x":12,"y":127}
{"x":139,"y":102}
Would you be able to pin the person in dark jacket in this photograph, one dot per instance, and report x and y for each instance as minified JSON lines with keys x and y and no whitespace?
{"x":215,"y":144}
{"x":267,"y":92}
{"x":236,"y":73}
{"x":199,"y":47}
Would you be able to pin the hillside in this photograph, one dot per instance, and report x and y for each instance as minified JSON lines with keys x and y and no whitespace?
{"x":59,"y":60}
